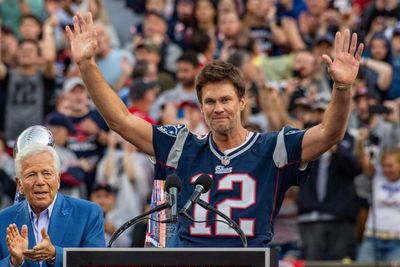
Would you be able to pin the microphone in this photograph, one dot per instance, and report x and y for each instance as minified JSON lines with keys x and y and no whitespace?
{"x":173,"y":187}
{"x":202,"y":185}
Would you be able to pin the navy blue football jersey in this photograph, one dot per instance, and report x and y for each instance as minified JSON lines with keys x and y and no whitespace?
{"x":249,"y":182}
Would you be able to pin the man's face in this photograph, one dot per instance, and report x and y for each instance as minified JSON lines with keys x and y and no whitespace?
{"x":186,"y":73}
{"x":28,"y":54}
{"x":40,"y":181}
{"x":78,"y":98}
{"x":229,"y":24}
{"x":362,"y":106}
{"x":103,"y":40}
{"x":378,"y":49}
{"x":304,"y":62}
{"x":153,"y":25}
{"x":204,"y":11}
{"x":221,"y":107}
{"x":184,"y":9}
{"x":105,"y":199}
{"x":30,"y":29}
{"x":391,"y":167}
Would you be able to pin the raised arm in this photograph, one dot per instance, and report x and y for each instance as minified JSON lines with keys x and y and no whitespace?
{"x":343,"y":71}
{"x":83,"y":40}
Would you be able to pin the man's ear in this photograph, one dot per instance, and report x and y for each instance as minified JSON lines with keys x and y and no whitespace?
{"x":20,"y":187}
{"x":242,"y":103}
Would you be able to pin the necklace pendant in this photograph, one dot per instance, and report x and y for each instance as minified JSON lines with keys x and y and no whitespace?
{"x":225,"y":160}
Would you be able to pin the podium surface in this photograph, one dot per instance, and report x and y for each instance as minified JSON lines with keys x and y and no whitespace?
{"x":180,"y":257}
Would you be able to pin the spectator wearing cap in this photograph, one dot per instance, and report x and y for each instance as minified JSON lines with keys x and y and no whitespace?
{"x":394,"y":90}
{"x":90,"y":136}
{"x":142,"y":95}
{"x":72,"y":174}
{"x":28,"y":88}
{"x":105,"y":196}
{"x":187,"y":70}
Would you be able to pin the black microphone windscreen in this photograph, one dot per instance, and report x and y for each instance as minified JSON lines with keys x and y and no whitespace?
{"x":205,"y":181}
{"x":173,"y":180}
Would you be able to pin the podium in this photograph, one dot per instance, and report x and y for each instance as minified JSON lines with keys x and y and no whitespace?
{"x":179,"y":257}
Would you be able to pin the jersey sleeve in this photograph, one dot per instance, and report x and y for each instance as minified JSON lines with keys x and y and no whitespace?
{"x":287,"y":154}
{"x":164,"y":140}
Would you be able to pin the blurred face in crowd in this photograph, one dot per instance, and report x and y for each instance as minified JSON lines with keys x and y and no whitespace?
{"x":79,"y":99}
{"x":39,"y":181}
{"x":154,"y":25}
{"x":316,"y":7}
{"x":30,"y":29}
{"x":320,"y":49}
{"x":362,"y":105}
{"x":304,"y":62}
{"x":248,"y":69}
{"x":229,"y":24}
{"x":156,"y":5}
{"x":103,"y":40}
{"x":396,"y":45}
{"x":184,"y":9}
{"x":226,"y":6}
{"x":8,"y":46}
{"x":28,"y":54}
{"x":105,"y":199}
{"x":60,"y":134}
{"x":193,"y":115}
{"x":186,"y":73}
{"x":205,"y":11}
{"x":152,"y":72}
{"x":259,"y":8}
{"x":378,"y":49}
{"x":221,"y":107}
{"x":391,"y":166}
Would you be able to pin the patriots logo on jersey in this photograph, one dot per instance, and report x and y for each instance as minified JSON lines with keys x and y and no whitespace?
{"x":171,"y":130}
{"x":219,"y":169}
{"x":294,"y":132}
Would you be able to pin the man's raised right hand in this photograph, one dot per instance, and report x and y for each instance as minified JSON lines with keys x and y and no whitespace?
{"x":83,"y":38}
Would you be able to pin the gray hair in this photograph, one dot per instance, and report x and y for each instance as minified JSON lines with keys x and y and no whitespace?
{"x":32,"y":150}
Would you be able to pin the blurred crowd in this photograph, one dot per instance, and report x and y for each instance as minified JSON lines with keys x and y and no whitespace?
{"x":150,"y":52}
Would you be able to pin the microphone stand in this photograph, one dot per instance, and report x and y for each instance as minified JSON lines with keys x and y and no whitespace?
{"x":230,"y":222}
{"x":137,"y":219}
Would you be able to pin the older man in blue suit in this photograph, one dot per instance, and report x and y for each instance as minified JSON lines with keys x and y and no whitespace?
{"x":48,"y":221}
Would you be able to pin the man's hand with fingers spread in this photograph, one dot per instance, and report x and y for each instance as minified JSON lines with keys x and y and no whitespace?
{"x":44,"y":251}
{"x":344,"y":68}
{"x":17,"y":243}
{"x":83,"y":38}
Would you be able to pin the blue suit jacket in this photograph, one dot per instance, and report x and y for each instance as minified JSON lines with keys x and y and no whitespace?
{"x":73,"y":223}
